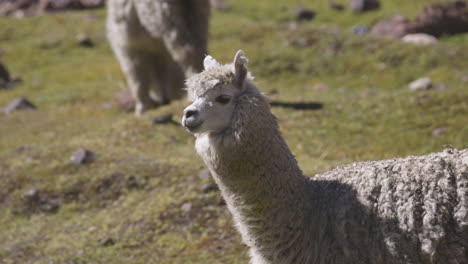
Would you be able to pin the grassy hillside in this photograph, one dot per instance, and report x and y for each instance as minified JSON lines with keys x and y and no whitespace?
{"x":140,"y":200}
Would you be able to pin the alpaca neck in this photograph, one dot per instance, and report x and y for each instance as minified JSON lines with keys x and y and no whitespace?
{"x":259,"y":177}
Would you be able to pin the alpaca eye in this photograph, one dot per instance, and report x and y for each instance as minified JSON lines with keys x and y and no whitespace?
{"x":223,"y":99}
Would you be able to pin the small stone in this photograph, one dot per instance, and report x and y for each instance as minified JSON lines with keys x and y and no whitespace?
{"x":82,"y":156}
{"x":220,"y":4}
{"x":84,"y":41}
{"x":303,"y":14}
{"x":336,"y":6}
{"x":439,"y":131}
{"x":358,"y":6}
{"x":19,"y":104}
{"x":464,"y":78}
{"x":204,"y":174}
{"x":125,"y":100}
{"x":360,"y":30}
{"x":424,"y":83}
{"x":209,"y":187}
{"x":105,"y":242}
{"x":163,"y":119}
{"x":23,"y":148}
{"x":186,"y":207}
{"x":420,"y":39}
{"x":31,"y":194}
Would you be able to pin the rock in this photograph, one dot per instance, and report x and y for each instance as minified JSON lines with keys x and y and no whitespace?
{"x":19,"y":104}
{"x":82,"y":156}
{"x":359,"y":6}
{"x":209,"y":187}
{"x":303,"y":14}
{"x":360,"y":30}
{"x":336,"y":6}
{"x":105,"y":242}
{"x":420,"y":39}
{"x":186,"y":207}
{"x":23,"y":148}
{"x":31,"y":194}
{"x":445,"y":18}
{"x":4,"y":77}
{"x":125,"y":100}
{"x":84,"y":41}
{"x":464,"y":78}
{"x":393,"y":27}
{"x":424,"y":83}
{"x":204,"y":174}
{"x":439,"y":131}
{"x":220,"y":4}
{"x":163,"y":119}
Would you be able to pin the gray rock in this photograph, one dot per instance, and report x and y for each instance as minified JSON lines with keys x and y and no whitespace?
{"x":303,"y":14}
{"x":84,"y":41}
{"x":393,"y":27}
{"x":186,"y":207}
{"x":439,"y":131}
{"x":82,"y":156}
{"x":336,"y":6}
{"x":209,"y":187}
{"x":419,"y":39}
{"x":424,"y":83}
{"x":105,"y":242}
{"x":19,"y":104}
{"x":358,"y":6}
{"x":163,"y":119}
{"x":360,"y":30}
{"x":125,"y":100}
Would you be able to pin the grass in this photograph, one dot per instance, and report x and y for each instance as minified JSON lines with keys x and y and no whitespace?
{"x":136,"y":190}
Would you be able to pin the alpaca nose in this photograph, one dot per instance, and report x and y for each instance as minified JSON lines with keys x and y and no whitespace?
{"x":191,"y":113}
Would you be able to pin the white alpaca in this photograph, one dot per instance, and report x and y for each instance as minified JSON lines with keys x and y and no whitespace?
{"x":411,"y":210}
{"x":158,"y":44}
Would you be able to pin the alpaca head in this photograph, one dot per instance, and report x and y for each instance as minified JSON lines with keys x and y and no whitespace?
{"x":214,"y":93}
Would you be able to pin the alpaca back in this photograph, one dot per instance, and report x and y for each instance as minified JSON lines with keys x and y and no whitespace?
{"x":411,"y":210}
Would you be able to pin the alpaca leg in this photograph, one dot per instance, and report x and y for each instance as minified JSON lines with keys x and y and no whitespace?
{"x":136,"y":65}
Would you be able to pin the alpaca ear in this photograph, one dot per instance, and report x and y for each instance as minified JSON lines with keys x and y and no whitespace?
{"x":240,"y":68}
{"x":210,"y":62}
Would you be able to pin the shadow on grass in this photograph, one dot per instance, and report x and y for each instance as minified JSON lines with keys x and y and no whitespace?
{"x":298,"y":106}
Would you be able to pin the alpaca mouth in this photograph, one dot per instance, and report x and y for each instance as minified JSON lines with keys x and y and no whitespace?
{"x":192,"y":127}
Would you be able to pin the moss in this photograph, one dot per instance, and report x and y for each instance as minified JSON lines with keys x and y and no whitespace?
{"x":143,"y":174}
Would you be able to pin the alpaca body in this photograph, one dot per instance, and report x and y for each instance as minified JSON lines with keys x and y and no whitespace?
{"x":158,"y":43}
{"x":411,"y":210}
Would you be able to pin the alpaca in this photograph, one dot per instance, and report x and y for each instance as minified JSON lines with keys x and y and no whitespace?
{"x":158,"y":43}
{"x":410,"y":210}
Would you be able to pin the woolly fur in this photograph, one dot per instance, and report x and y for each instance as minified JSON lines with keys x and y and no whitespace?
{"x":410,"y":210}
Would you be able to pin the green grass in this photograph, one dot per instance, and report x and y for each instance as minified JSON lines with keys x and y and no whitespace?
{"x":143,"y":174}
